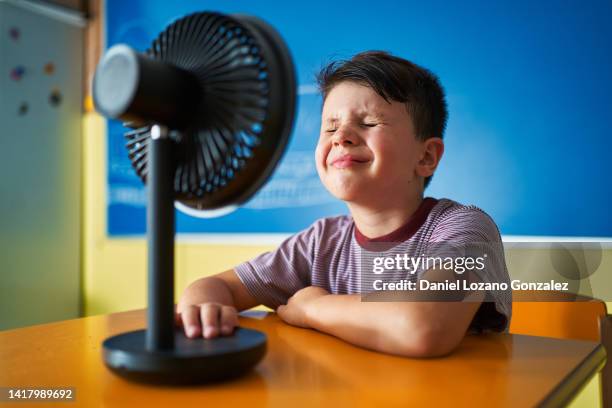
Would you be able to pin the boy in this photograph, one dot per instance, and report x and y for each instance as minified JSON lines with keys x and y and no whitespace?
{"x":383,"y":120}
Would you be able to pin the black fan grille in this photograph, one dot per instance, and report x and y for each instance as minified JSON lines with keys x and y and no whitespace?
{"x":231,"y":117}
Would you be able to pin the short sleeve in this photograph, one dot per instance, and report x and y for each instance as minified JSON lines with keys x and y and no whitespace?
{"x":471,"y":232}
{"x":274,"y":276}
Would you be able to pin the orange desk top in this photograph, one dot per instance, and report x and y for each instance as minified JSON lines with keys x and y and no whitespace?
{"x":306,"y":368}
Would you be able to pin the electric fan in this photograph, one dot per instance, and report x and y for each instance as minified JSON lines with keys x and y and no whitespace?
{"x":210,"y":106}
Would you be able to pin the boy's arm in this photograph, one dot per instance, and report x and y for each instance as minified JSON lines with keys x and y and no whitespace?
{"x":414,"y":328}
{"x":209,"y":306}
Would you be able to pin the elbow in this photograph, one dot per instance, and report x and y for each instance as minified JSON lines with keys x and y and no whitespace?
{"x":428,"y":342}
{"x":432,"y":345}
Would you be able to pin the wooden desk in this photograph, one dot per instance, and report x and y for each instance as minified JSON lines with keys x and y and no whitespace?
{"x":306,"y":368}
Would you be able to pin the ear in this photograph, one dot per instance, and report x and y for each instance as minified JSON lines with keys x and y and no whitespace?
{"x":433,"y":149}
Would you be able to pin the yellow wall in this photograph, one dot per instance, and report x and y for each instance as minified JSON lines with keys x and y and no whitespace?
{"x":590,"y":396}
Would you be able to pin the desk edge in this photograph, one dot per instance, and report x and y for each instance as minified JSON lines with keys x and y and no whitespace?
{"x":566,"y":390}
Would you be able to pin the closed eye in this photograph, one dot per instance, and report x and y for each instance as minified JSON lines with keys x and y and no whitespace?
{"x":369,"y":124}
{"x":330,"y":130}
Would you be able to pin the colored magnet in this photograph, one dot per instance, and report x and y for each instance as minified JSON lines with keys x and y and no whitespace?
{"x":49,"y":68}
{"x":17,"y":73}
{"x":55,"y":98}
{"x":23,"y":108}
{"x":14,"y":33}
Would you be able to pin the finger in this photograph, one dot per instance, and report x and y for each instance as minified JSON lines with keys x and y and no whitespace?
{"x":229,"y":319}
{"x":209,"y":314}
{"x":280,"y":311}
{"x":191,"y":321}
{"x":178,"y":320}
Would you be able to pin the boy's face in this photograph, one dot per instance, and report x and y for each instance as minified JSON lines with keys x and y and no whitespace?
{"x":367,"y":150}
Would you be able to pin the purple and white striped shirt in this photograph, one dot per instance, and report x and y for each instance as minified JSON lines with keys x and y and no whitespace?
{"x":328,"y":254}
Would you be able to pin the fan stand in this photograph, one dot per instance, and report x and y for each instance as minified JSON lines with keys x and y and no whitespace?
{"x":162,"y":353}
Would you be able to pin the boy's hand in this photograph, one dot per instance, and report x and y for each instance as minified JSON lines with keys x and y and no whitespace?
{"x":209,"y":319}
{"x":295,"y":312}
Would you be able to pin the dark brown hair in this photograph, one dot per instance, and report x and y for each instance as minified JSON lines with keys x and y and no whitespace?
{"x":396,"y":79}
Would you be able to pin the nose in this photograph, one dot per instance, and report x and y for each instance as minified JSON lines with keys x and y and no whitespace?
{"x":343,"y":136}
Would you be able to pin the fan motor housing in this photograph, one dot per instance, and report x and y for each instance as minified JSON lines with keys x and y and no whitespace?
{"x":140,"y":90}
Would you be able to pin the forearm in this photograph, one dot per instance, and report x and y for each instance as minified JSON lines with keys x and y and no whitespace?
{"x":210,"y":289}
{"x":407,"y":328}
{"x":224,"y":288}
{"x":388,"y":327}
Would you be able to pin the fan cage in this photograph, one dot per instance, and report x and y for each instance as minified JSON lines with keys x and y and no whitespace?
{"x":231,"y":118}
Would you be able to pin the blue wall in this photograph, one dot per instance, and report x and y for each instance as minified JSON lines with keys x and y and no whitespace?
{"x":528,"y":87}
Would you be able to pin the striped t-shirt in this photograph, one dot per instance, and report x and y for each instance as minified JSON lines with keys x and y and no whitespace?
{"x":330,"y":252}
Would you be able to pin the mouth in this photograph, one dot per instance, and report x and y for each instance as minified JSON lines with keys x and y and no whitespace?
{"x":347,"y":160}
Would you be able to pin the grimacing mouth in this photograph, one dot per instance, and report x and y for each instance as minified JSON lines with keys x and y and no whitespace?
{"x":346,"y":156}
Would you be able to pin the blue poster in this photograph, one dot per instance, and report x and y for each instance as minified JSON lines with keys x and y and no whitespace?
{"x":528,"y":89}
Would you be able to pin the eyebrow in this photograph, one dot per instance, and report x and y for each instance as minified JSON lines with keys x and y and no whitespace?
{"x":360,"y":115}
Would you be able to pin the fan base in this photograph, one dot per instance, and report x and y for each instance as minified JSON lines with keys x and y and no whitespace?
{"x":192,"y":361}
